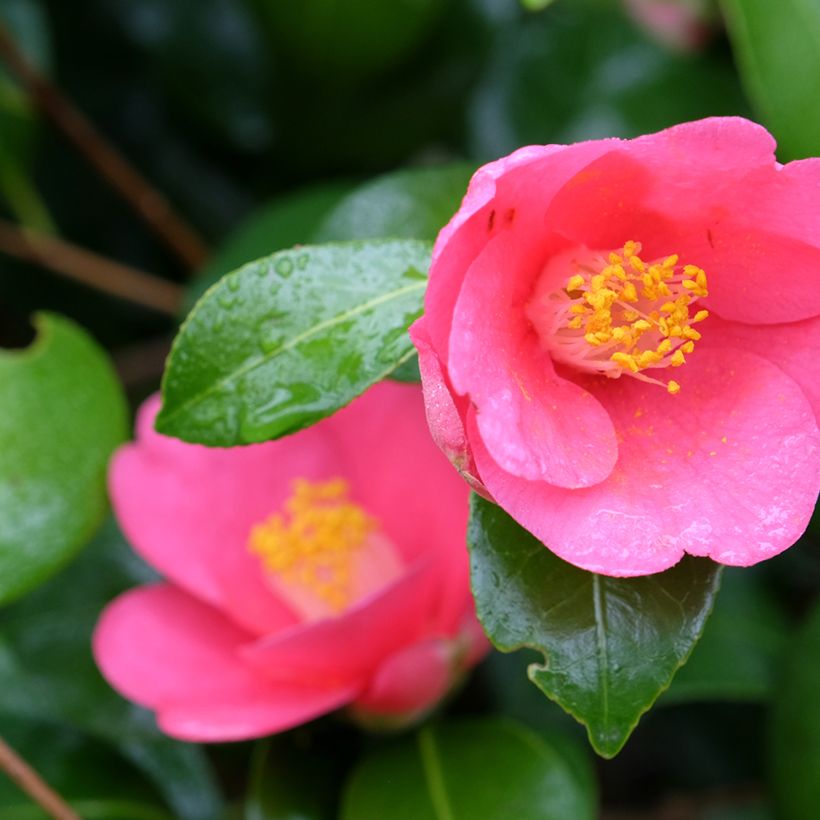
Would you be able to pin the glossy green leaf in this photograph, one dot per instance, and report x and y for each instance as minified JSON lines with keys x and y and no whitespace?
{"x":611,"y":645}
{"x":741,"y":651}
{"x":287,"y":340}
{"x":414,"y":203}
{"x":795,"y":744}
{"x":777,"y":46}
{"x":582,"y":70}
{"x":492,"y":768}
{"x":48,"y":675}
{"x":282,"y":223}
{"x":63,"y":412}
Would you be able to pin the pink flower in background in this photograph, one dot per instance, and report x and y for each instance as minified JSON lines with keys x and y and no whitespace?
{"x":680,"y":24}
{"x":621,"y":345}
{"x":322,"y":570}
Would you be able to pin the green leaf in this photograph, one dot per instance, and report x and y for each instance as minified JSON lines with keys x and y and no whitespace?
{"x":795,"y":746}
{"x":536,"y":5}
{"x":741,"y":651}
{"x":493,"y":769}
{"x":777,"y":46}
{"x":287,"y":340}
{"x":611,"y":645}
{"x":283,"y":222}
{"x":284,"y":774}
{"x":63,"y":413}
{"x":414,"y":203}
{"x":47,"y":674}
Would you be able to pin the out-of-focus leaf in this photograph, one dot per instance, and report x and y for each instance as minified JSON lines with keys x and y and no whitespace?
{"x":795,"y":743}
{"x":210,"y":58}
{"x":79,"y":768}
{"x":777,"y":46}
{"x":536,"y":5}
{"x":344,"y":42}
{"x":47,"y":674}
{"x":284,"y":775}
{"x":287,"y":340}
{"x":414,"y":203}
{"x":63,"y":412}
{"x":582,"y":71}
{"x":611,"y":645}
{"x":741,"y":650}
{"x":490,"y":768}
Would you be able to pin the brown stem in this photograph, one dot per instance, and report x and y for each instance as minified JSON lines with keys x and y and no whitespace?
{"x":33,"y":785}
{"x":91,"y":269}
{"x":108,"y":161}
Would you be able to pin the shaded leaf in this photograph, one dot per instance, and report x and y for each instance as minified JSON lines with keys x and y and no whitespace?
{"x":795,"y":742}
{"x":611,"y":645}
{"x":777,"y":46}
{"x":490,"y":768}
{"x":287,"y":340}
{"x":63,"y":414}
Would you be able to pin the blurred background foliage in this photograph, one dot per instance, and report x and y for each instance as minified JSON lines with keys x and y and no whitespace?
{"x":269,"y":123}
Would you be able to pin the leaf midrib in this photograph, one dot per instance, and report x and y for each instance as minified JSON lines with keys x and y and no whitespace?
{"x":431,"y":765}
{"x":291,"y":343}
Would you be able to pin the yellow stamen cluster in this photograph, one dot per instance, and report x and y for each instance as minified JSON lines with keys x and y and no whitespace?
{"x":314,"y":542}
{"x":637,"y":313}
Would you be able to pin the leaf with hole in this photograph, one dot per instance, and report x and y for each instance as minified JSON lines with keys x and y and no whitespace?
{"x":63,"y":414}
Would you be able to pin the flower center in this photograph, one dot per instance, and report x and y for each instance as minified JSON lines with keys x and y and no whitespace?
{"x":323,"y":552}
{"x":617,"y":314}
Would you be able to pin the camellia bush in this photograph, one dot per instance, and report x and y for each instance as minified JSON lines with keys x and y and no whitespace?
{"x":410,"y":410}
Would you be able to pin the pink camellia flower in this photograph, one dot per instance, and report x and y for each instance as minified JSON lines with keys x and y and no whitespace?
{"x":321,"y":570}
{"x":621,"y":345}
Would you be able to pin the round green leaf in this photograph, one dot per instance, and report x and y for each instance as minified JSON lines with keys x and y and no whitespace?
{"x":63,"y":415}
{"x":795,"y":748}
{"x":287,"y":340}
{"x":493,"y":769}
{"x":777,"y":46}
{"x":611,"y":645}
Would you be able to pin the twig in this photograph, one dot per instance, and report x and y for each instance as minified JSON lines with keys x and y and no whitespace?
{"x":91,"y":269}
{"x":33,"y":785}
{"x":108,"y":161}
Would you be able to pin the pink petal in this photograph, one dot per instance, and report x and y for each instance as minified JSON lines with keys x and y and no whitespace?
{"x":688,"y":190}
{"x":522,"y":184}
{"x":728,"y":468}
{"x":398,"y":474}
{"x":163,"y":649}
{"x":536,"y":425}
{"x":410,"y":681}
{"x":188,"y":511}
{"x":347,"y":649}
{"x":792,"y":347}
